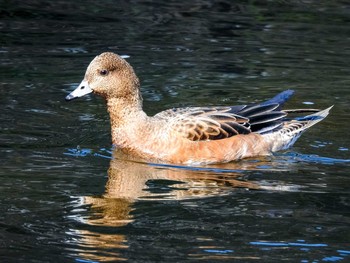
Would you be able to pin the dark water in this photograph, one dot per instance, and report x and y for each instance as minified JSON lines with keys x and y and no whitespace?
{"x":62,"y":198}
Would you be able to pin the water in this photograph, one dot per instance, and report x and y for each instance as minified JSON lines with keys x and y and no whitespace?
{"x":62,"y":197}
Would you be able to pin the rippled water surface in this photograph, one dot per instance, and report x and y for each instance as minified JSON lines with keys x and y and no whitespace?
{"x":64,"y":199}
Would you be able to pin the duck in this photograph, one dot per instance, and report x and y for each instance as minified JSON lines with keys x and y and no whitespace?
{"x":190,"y":135}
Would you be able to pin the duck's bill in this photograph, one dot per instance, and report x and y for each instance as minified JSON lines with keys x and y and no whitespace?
{"x":80,"y":91}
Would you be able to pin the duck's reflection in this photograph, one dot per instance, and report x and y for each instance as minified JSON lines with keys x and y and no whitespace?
{"x":130,"y":181}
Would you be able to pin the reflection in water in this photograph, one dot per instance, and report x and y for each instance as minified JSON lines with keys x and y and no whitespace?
{"x":130,"y":181}
{"x":103,"y":238}
{"x":99,"y":247}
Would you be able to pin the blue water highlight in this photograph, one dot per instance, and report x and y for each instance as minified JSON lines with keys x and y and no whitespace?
{"x":218,"y":251}
{"x":287,"y":244}
{"x":83,"y":152}
{"x":313,"y":158}
{"x":265,"y":245}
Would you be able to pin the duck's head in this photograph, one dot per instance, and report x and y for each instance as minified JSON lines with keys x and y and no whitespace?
{"x":109,"y":76}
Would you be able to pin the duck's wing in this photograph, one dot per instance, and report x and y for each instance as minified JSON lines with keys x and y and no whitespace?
{"x":214,"y":123}
{"x":205,"y":123}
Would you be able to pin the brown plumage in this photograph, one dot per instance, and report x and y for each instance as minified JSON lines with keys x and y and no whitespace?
{"x":189,"y":135}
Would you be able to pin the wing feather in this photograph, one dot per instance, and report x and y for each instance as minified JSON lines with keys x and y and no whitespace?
{"x":214,"y":123}
{"x":205,"y":123}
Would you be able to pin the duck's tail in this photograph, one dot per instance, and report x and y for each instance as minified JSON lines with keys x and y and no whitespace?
{"x":280,"y":98}
{"x":291,"y":130}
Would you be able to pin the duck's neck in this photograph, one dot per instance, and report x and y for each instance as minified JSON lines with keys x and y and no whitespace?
{"x":124,"y":113}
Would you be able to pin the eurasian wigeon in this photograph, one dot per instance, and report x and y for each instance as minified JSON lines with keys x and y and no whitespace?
{"x":191,"y":135}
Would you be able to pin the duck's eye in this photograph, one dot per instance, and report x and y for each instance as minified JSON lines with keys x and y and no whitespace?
{"x":103,"y":72}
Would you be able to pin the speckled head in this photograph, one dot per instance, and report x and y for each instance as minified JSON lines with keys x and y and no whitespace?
{"x":109,"y":76}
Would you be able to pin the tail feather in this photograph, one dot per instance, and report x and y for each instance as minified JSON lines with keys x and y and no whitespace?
{"x":280,"y":98}
{"x":316,"y":117}
{"x":292,"y":129}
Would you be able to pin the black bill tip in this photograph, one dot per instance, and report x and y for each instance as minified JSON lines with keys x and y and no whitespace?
{"x":70,"y":97}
